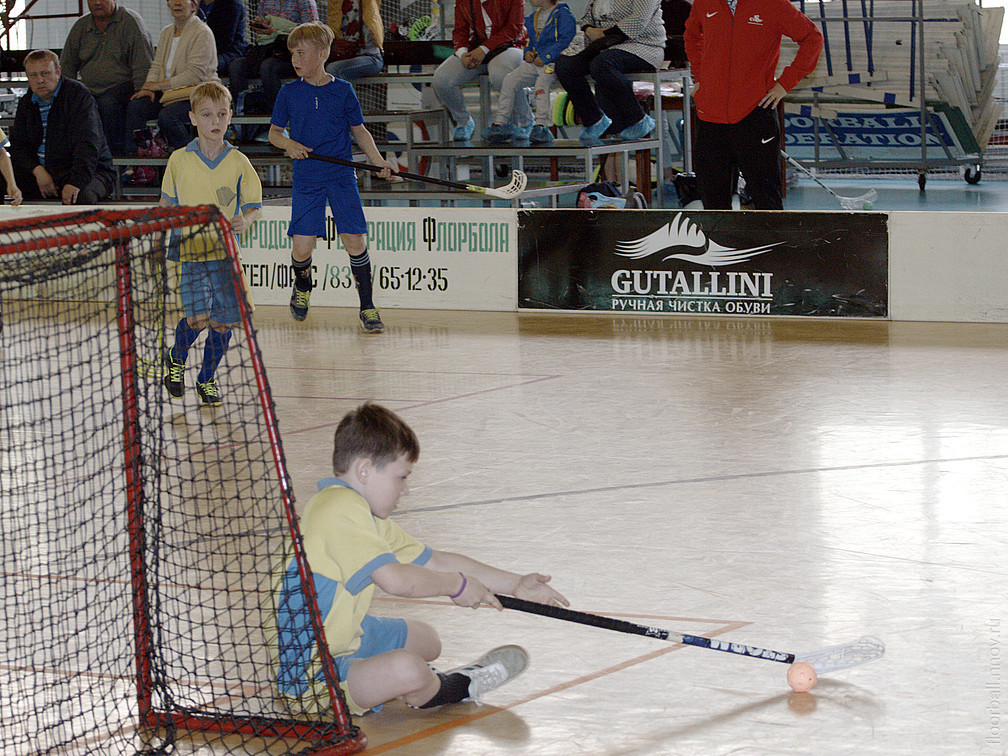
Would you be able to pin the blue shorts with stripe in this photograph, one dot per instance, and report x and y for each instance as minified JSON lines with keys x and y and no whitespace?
{"x":207,"y":287}
{"x":381,"y":634}
{"x":308,"y":204}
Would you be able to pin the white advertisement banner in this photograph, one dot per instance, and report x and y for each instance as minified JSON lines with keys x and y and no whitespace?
{"x":421,"y":257}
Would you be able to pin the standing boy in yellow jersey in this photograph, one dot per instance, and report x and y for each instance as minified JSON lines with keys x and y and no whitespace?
{"x":207,"y":171}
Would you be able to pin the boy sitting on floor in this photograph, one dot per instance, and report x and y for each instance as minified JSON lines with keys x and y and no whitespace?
{"x":352,"y":546}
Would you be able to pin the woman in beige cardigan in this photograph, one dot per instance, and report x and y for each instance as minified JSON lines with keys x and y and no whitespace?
{"x":185,"y":57}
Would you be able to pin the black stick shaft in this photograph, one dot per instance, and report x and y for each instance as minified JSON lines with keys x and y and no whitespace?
{"x":583,"y":618}
{"x":377,"y":169}
{"x":622,"y":626}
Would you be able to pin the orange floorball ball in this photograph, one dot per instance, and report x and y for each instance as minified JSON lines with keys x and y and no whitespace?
{"x":801,"y":676}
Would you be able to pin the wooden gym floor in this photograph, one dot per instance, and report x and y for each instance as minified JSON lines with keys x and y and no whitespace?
{"x":792,"y":484}
{"x":787,"y":483}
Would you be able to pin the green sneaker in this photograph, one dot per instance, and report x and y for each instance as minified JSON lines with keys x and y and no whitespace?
{"x":174,"y":378}
{"x":493,"y":669}
{"x":209,"y":394}
{"x":370,"y":321}
{"x":299,"y":303}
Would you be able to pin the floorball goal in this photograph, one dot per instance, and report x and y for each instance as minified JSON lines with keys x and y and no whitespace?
{"x":141,"y":535}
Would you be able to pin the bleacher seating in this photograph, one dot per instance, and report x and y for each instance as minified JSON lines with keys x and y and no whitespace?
{"x":420,"y":152}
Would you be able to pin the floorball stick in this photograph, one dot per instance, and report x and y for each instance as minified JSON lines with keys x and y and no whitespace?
{"x":825,"y":660}
{"x":514,"y":188}
{"x":865,"y":202}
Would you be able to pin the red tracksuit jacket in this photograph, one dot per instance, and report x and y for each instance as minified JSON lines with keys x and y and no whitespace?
{"x":507,"y":18}
{"x":734,"y":59}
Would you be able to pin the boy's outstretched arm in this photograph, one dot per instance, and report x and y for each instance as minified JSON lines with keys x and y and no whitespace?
{"x":532,"y":587}
{"x":414,"y":581}
{"x":367,"y":143}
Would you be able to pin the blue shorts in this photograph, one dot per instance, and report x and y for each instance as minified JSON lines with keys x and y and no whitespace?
{"x":308,"y":204}
{"x":381,"y":634}
{"x":207,"y":286}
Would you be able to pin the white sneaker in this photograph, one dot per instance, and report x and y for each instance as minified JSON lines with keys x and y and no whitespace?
{"x":493,"y":669}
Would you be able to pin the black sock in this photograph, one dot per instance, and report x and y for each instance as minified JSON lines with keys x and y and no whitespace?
{"x":360,"y":266}
{"x":302,"y":274}
{"x":454,"y":688}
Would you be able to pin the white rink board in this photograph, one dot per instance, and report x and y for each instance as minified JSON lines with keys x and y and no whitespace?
{"x":948,"y":267}
{"x":422,"y":258}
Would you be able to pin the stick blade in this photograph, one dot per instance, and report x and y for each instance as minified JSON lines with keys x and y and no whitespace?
{"x":858,"y":203}
{"x":834,"y":658}
{"x":514,"y":188}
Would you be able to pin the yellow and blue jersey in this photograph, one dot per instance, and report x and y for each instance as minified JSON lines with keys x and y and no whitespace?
{"x":228,"y":182}
{"x":344,"y":543}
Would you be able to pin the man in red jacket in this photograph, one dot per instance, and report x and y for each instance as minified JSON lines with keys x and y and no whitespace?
{"x":733,"y":48}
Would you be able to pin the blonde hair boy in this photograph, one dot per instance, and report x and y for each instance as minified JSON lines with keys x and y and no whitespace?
{"x":318,"y":113}
{"x":207,"y":171}
{"x":214,"y":91}
{"x":313,"y":33}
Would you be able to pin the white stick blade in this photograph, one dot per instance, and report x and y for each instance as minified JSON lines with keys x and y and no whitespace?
{"x":514,"y":188}
{"x":847,"y":655}
{"x":858,"y":203}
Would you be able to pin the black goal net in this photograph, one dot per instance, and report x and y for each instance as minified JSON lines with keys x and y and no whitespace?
{"x":143,"y":534}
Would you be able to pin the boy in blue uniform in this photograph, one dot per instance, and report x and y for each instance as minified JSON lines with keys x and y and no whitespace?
{"x":321,"y":113}
{"x":352,"y":546}
{"x":207,"y":171}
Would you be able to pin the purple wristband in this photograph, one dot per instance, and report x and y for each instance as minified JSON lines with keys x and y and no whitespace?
{"x":456,"y":595}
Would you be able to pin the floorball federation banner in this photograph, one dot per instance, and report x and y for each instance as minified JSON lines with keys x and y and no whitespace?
{"x":704,"y":262}
{"x":427,"y":258}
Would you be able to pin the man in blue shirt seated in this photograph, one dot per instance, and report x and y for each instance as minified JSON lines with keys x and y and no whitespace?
{"x":58,"y":146}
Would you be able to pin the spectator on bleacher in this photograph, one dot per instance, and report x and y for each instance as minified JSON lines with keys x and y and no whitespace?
{"x":268,"y":58}
{"x":58,"y":146}
{"x":551,"y":29}
{"x":360,"y":34}
{"x":490,"y":40}
{"x":186,"y":56}
{"x":736,"y":91}
{"x":110,"y":50}
{"x":226,"y":19}
{"x":622,"y":36}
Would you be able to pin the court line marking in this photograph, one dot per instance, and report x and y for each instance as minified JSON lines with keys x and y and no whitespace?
{"x":704,"y":479}
{"x":488,"y":711}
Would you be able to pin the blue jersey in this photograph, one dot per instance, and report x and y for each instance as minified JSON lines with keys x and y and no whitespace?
{"x":320,"y":118}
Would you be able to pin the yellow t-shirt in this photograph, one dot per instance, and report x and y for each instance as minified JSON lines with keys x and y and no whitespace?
{"x":228,"y":182}
{"x":344,"y":543}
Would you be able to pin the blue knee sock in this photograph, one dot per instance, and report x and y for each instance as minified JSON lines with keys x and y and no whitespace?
{"x":213,"y":353}
{"x":185,"y":336}
{"x":360,"y":266}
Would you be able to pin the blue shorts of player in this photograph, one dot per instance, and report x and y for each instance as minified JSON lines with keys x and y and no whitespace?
{"x":381,"y":634}
{"x":308,"y":203}
{"x":207,"y":286}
